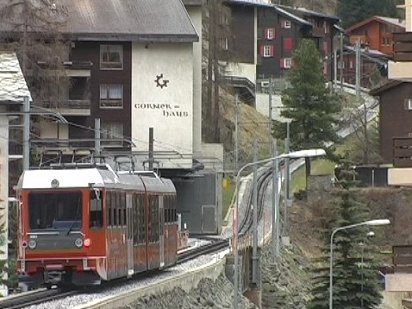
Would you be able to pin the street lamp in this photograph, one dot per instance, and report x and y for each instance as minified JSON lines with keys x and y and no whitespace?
{"x":293,"y":155}
{"x":370,"y":222}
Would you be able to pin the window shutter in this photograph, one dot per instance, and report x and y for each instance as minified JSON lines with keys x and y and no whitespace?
{"x":282,"y":63}
{"x":262,"y":50}
{"x":287,"y":43}
{"x":264,"y":33}
{"x":272,"y":50}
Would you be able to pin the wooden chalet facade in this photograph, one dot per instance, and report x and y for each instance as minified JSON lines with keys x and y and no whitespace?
{"x":375,"y":36}
{"x":267,"y":35}
{"x":395,"y":115}
{"x":376,"y":33}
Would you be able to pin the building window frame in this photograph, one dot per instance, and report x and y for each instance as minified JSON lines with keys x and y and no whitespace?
{"x":111,"y":57}
{"x":110,"y":97}
{"x":286,"y":24}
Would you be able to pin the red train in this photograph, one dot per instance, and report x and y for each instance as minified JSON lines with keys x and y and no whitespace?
{"x":83,"y":224}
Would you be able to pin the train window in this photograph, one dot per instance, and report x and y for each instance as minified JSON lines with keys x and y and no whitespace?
{"x":142,"y":222}
{"x":56,"y":211}
{"x":95,"y":209}
{"x":154,"y":218}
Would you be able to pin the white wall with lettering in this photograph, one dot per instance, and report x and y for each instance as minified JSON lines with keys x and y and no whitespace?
{"x":162,"y":98}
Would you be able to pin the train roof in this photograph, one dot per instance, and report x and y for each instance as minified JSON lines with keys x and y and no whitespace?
{"x":101,"y":176}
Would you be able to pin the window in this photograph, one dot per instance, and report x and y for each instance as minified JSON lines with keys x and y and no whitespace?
{"x":95,"y":209}
{"x":287,"y":43}
{"x":285,"y":63}
{"x":286,"y":24}
{"x":267,"y":51}
{"x":111,"y":57}
{"x":55,"y":211}
{"x":224,"y":43}
{"x":269,"y":33}
{"x":112,"y":133}
{"x":111,"y":96}
{"x":408,"y":104}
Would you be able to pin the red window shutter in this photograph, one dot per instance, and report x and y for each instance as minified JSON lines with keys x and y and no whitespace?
{"x":282,"y":63}
{"x":287,"y":43}
{"x":265,"y":33}
{"x":262,"y":50}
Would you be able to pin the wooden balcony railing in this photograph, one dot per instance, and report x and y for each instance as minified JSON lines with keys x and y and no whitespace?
{"x":402,"y":152}
{"x":67,"y":104}
{"x":402,"y":46}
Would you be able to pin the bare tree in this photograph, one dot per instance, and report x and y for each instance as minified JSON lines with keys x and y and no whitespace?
{"x":33,"y":29}
{"x":366,"y":143}
{"x":216,"y":49}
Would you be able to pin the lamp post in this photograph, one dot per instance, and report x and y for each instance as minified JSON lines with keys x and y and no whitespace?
{"x":369,"y":222}
{"x":295,"y":154}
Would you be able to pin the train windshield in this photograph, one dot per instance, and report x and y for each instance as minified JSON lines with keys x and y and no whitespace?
{"x":55,"y":211}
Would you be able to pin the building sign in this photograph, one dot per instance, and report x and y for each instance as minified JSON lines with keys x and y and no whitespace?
{"x":165,"y":109}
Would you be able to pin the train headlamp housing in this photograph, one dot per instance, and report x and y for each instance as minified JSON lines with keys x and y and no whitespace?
{"x":78,"y":242}
{"x":32,"y":244}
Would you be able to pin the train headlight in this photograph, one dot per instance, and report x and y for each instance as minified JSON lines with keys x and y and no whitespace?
{"x":32,"y":244}
{"x":87,"y":242}
{"x":78,"y":242}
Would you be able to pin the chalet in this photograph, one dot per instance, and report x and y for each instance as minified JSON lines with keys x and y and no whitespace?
{"x":265,"y":36}
{"x":395,"y":115}
{"x":375,"y":36}
{"x":376,"y":33}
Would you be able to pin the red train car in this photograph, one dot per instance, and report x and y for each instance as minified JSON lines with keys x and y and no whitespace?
{"x":83,"y":224}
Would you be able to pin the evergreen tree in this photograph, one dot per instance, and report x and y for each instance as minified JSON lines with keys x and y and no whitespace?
{"x":308,"y":103}
{"x":354,"y":11}
{"x":355,"y":284}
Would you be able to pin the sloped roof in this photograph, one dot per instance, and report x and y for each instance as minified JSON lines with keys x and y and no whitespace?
{"x":306,"y":12}
{"x":131,"y":20}
{"x":380,"y":19}
{"x":385,"y":87}
{"x":280,"y":9}
{"x":13,"y":87}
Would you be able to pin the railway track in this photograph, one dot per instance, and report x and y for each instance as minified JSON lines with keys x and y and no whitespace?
{"x":34,"y":298}
{"x":42,"y":296}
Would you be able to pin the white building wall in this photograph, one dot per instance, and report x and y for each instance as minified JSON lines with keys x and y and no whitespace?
{"x":195,"y":13}
{"x":168,"y":109}
{"x":262,"y":105}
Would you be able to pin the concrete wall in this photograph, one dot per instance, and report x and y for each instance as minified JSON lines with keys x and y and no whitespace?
{"x":4,"y":192}
{"x":168,"y":109}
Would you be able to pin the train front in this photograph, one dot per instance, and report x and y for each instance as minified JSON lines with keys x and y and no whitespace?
{"x":55,"y":235}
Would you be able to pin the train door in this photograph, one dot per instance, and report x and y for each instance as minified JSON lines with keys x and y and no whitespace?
{"x":129,"y":244}
{"x":161,"y":232}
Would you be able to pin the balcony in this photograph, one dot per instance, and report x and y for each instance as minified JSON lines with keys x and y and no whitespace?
{"x":69,"y":107}
{"x":401,"y":67}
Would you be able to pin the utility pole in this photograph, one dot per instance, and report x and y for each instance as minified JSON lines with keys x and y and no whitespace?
{"x":255,"y":257}
{"x":341,"y":61}
{"x":358,"y":69}
{"x":236,"y":133}
{"x":97,"y":137}
{"x":287,"y":183}
{"x":275,"y":204}
{"x":151,"y":149}
{"x":26,"y":134}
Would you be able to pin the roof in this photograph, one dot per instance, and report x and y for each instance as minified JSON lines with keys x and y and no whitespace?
{"x":127,"y":20}
{"x":380,"y":19}
{"x":192,"y":2}
{"x":99,"y":177}
{"x":305,"y":12}
{"x":265,"y":4}
{"x":392,"y":83}
{"x":13,"y":87}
